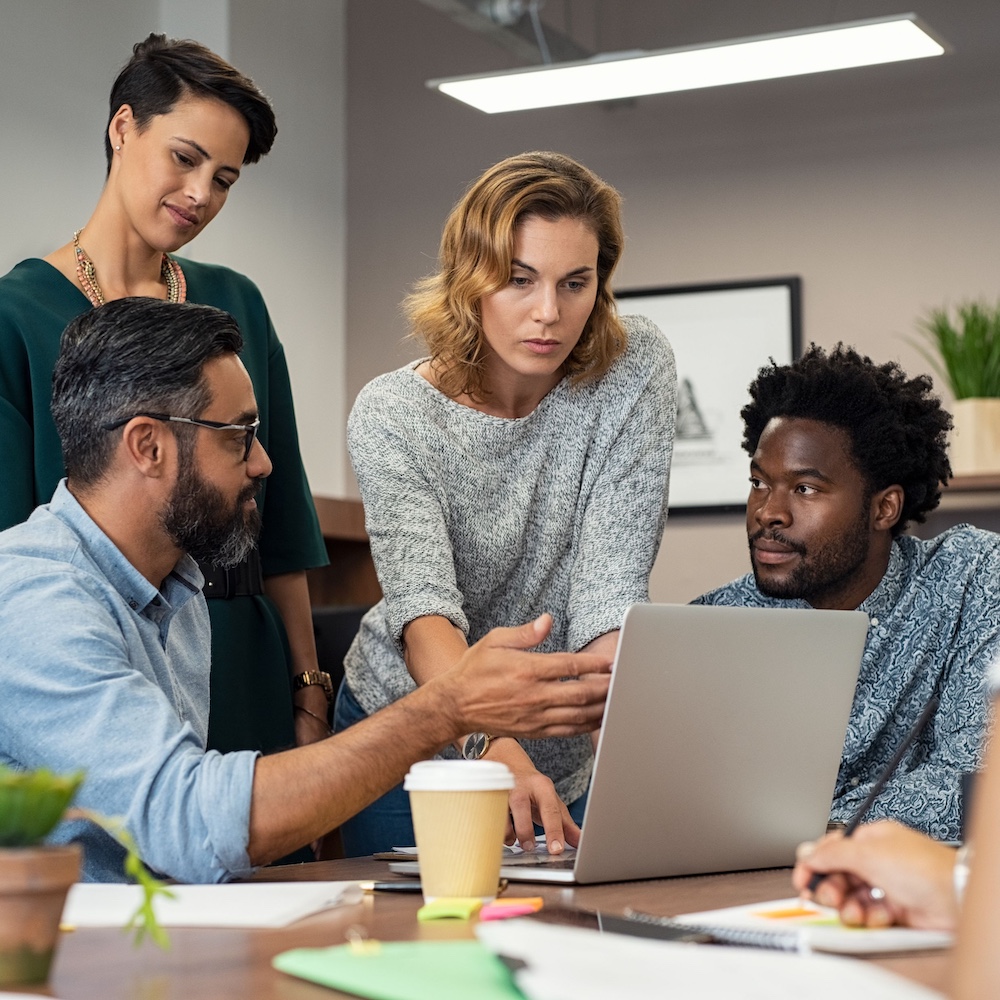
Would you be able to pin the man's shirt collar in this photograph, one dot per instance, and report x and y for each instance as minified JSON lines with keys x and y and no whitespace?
{"x":183,"y":582}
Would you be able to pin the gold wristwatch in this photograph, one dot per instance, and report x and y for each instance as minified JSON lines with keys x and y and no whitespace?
{"x":308,"y":677}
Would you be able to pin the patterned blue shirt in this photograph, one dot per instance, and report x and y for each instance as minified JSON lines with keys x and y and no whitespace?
{"x":934,"y":630}
{"x":103,"y":672}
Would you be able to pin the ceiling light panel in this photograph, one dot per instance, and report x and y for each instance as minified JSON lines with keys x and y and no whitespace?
{"x":839,"y":46}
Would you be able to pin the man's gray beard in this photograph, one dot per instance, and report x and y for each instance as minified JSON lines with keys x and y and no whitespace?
{"x":237,"y":544}
{"x":199,"y":521}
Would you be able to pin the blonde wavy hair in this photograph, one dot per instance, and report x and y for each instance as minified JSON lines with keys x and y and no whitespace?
{"x":477,"y":249}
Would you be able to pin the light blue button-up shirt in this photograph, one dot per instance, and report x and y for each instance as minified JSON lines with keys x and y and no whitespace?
{"x":100,"y":671}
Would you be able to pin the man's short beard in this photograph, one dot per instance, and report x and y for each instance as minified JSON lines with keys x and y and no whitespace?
{"x":200,"y":521}
{"x":827,"y":571}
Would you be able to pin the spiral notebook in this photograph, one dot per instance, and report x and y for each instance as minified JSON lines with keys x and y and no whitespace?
{"x":792,"y":925}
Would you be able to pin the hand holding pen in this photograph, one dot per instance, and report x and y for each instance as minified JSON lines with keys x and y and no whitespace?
{"x":880,"y":782}
{"x":883,"y":853}
{"x":915,"y":872}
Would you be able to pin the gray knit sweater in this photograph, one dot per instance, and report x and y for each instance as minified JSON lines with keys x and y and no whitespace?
{"x":490,"y":521}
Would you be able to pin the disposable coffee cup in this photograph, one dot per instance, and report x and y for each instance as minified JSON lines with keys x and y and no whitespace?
{"x":459,"y":812}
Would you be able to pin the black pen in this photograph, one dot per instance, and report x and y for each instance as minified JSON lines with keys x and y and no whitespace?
{"x":858,"y":817}
{"x":401,"y":885}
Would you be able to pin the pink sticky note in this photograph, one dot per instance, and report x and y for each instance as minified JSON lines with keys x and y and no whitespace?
{"x":492,"y":911}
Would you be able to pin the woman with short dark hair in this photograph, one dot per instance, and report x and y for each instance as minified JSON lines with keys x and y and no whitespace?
{"x":182,"y":124}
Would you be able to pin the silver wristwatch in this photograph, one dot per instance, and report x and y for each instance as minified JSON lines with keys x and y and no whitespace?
{"x":476,"y":745}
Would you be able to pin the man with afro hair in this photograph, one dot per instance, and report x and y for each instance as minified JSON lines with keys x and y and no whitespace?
{"x":845,"y":453}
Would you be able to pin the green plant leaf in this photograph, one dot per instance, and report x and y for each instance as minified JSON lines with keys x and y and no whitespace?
{"x":143,"y":921}
{"x":966,"y":351}
{"x":32,"y":803}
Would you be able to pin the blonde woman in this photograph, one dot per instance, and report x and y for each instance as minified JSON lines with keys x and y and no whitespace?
{"x":520,"y":469}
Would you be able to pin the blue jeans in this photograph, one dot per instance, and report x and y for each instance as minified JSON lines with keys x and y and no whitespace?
{"x":387,"y":822}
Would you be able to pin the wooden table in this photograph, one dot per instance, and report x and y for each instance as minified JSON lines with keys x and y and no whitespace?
{"x":101,"y":964}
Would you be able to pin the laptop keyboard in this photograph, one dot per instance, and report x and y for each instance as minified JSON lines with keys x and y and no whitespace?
{"x":559,"y":862}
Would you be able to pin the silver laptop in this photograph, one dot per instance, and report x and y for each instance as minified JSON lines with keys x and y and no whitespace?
{"x":720,"y":747}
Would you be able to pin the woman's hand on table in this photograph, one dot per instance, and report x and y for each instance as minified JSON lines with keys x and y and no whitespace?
{"x":500,"y":686}
{"x":533,"y":800}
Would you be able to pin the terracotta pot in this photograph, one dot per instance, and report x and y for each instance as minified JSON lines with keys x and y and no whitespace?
{"x":34,"y":882}
{"x":975,"y":440}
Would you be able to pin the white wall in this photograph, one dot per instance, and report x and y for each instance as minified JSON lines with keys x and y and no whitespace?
{"x":284,"y":226}
{"x":205,"y":20}
{"x":57,"y":63}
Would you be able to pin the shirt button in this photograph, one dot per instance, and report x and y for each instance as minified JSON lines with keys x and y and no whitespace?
{"x":133,"y":605}
{"x":875,"y":622}
{"x":855,"y":782}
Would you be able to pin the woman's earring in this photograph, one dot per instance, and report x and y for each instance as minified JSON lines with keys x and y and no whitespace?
{"x":118,"y":148}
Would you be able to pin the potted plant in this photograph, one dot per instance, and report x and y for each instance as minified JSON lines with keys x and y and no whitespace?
{"x":967,"y":356}
{"x":35,"y":878}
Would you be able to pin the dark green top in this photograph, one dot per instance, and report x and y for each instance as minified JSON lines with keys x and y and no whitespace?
{"x":250,"y":689}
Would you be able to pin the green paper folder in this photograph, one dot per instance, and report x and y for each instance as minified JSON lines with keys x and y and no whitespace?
{"x":406,"y":970}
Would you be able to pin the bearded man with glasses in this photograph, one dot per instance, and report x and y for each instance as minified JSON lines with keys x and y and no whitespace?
{"x":104,"y":630}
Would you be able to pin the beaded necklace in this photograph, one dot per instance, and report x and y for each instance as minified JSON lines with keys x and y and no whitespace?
{"x":170,"y":271}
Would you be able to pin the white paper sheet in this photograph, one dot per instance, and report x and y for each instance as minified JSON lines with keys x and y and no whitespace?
{"x":569,"y":963}
{"x":241,"y":904}
{"x":19,"y":996}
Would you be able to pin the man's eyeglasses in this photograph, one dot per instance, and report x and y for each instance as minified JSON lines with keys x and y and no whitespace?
{"x":250,"y":430}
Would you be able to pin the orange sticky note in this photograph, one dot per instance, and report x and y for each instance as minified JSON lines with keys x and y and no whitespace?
{"x":790,"y":914}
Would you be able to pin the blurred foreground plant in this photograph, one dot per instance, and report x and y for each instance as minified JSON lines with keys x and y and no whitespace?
{"x":33,"y":802}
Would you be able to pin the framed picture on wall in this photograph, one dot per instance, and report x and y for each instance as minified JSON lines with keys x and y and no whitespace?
{"x":721,"y":335}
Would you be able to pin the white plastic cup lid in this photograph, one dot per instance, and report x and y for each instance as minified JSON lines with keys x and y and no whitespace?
{"x":458,"y":776}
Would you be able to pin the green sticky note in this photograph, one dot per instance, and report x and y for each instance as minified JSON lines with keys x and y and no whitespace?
{"x":406,"y":970}
{"x":456,"y":907}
